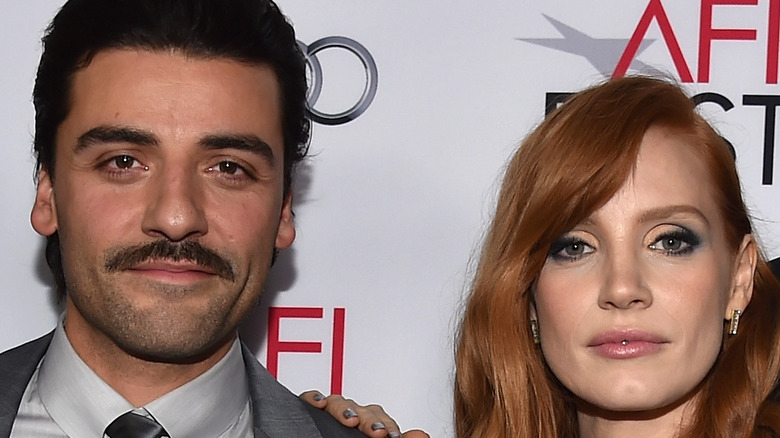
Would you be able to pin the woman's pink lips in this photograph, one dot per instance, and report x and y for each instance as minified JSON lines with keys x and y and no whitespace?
{"x":626,"y":344}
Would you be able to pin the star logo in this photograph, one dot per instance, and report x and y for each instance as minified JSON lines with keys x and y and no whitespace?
{"x":602,"y":53}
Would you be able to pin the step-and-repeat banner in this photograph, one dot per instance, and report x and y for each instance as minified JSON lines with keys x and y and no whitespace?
{"x":417,"y":106}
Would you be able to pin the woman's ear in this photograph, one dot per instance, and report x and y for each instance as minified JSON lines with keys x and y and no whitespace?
{"x":743,"y":274}
{"x":44,"y":211}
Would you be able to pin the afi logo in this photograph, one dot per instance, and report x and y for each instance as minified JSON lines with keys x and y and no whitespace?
{"x":276,"y":346}
{"x":707,"y":34}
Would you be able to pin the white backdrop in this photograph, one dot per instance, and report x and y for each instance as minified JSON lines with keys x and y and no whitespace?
{"x":392,"y":205}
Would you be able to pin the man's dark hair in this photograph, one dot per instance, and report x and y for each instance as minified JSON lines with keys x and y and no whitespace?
{"x":251,"y":31}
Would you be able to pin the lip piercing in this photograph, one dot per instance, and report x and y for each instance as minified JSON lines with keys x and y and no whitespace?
{"x":625,"y":342}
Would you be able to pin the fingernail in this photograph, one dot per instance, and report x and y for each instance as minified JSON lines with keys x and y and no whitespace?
{"x":318,"y":397}
{"x":350,"y":413}
{"x":378,"y":425}
{"x":394,"y":434}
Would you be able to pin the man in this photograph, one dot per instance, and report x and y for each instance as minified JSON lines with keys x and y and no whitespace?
{"x":166,"y":136}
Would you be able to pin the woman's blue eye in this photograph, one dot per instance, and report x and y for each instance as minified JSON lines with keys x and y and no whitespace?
{"x":672,"y":244}
{"x":574,"y":249}
{"x":679,"y":242}
{"x":569,"y":249}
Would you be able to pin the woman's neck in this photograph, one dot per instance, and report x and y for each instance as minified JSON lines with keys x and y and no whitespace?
{"x":664,"y":422}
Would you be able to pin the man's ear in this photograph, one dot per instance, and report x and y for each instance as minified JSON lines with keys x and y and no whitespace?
{"x":44,"y":212}
{"x":285,"y":234}
{"x":743,"y":274}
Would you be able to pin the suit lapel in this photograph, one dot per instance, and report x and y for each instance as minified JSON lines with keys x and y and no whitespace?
{"x":276,"y":411}
{"x":16,"y":368}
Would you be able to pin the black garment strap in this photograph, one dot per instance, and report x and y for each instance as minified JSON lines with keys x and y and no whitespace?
{"x":130,"y":425}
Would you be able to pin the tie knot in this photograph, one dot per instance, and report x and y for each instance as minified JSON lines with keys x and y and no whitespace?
{"x":131,"y":425}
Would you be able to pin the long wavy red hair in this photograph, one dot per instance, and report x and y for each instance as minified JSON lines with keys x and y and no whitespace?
{"x":567,"y":168}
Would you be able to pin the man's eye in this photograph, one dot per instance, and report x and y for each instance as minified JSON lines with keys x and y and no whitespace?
{"x":124,"y":161}
{"x":232,"y":172}
{"x":228,"y":167}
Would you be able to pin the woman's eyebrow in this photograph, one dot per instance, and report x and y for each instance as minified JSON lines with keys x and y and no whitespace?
{"x":665,"y":212}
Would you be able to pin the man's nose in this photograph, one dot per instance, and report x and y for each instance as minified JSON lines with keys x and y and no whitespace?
{"x":175,"y":205}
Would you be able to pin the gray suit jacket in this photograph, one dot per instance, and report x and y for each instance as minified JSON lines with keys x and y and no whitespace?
{"x":276,"y":411}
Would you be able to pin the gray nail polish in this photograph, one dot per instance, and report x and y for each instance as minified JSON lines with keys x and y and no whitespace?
{"x":350,"y":413}
{"x":394,"y":434}
{"x":318,"y":397}
{"x":378,"y":425}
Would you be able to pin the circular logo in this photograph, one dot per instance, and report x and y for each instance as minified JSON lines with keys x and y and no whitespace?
{"x":369,"y":90}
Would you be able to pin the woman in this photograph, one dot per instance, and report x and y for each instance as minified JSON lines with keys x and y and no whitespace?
{"x":620,"y":291}
{"x":621,"y":234}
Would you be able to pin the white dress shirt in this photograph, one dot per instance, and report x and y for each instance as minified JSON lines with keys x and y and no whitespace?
{"x":65,"y":398}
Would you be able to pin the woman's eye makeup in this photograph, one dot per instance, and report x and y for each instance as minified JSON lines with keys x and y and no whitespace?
{"x":680,"y":241}
{"x":569,"y":249}
{"x":676,"y":242}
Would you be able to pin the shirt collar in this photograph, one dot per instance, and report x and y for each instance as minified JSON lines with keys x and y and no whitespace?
{"x":208,"y":405}
{"x":82,"y":404}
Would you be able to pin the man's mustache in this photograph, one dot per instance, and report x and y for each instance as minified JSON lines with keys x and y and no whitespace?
{"x":190,"y":250}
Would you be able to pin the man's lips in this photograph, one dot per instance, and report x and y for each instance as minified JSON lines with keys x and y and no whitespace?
{"x":626,"y":343}
{"x":170,"y":258}
{"x":173,"y":270}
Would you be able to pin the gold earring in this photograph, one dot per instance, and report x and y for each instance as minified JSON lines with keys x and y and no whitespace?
{"x":734,"y":324}
{"x":535,"y":331}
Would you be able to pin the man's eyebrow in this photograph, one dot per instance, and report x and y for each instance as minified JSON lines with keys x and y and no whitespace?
{"x":115,"y":134}
{"x":671,"y":210}
{"x":242,"y":142}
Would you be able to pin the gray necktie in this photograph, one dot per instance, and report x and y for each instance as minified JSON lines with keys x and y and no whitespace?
{"x":130,"y":425}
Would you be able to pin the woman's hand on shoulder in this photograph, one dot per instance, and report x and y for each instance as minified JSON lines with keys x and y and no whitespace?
{"x":372,"y":420}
